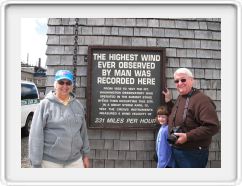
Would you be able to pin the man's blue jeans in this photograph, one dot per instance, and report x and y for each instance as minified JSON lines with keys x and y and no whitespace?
{"x":197,"y":158}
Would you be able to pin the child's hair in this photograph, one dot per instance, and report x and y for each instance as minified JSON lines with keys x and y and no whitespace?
{"x":162,"y":110}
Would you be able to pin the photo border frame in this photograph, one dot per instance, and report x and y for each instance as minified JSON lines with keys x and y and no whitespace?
{"x":4,"y":84}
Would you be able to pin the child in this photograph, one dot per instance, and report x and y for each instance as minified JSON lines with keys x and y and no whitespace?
{"x":163,"y":148}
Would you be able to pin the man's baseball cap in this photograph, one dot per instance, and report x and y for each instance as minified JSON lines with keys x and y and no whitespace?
{"x":64,"y":74}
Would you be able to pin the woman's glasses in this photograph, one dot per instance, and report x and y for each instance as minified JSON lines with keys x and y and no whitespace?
{"x":68,"y":83}
{"x":181,"y":80}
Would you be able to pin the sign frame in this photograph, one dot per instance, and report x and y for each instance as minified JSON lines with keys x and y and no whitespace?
{"x":90,"y":104}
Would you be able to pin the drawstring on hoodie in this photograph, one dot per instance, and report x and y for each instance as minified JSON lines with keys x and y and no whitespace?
{"x":73,"y":112}
{"x":61,"y":111}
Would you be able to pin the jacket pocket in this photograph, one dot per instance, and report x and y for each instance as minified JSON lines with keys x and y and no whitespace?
{"x":54,"y":147}
{"x":50,"y":138}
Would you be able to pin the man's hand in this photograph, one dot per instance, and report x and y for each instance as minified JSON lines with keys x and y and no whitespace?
{"x":85,"y":162}
{"x":167,"y":95}
{"x":182,"y":138}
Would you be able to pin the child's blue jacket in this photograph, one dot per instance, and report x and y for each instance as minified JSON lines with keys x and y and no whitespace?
{"x":163,"y":149}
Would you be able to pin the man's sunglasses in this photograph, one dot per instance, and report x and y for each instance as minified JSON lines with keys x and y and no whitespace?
{"x":68,"y":83}
{"x":181,"y":80}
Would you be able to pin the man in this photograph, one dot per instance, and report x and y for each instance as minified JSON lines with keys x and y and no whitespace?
{"x":192,"y":122}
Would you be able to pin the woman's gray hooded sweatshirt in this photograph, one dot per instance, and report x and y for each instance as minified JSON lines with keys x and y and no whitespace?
{"x":58,"y":132}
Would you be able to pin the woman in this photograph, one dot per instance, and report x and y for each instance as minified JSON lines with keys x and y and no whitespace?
{"x":58,"y":135}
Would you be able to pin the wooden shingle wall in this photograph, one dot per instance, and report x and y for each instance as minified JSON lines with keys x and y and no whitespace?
{"x":191,"y":43}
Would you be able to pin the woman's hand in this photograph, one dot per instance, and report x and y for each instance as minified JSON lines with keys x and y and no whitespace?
{"x":85,"y":162}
